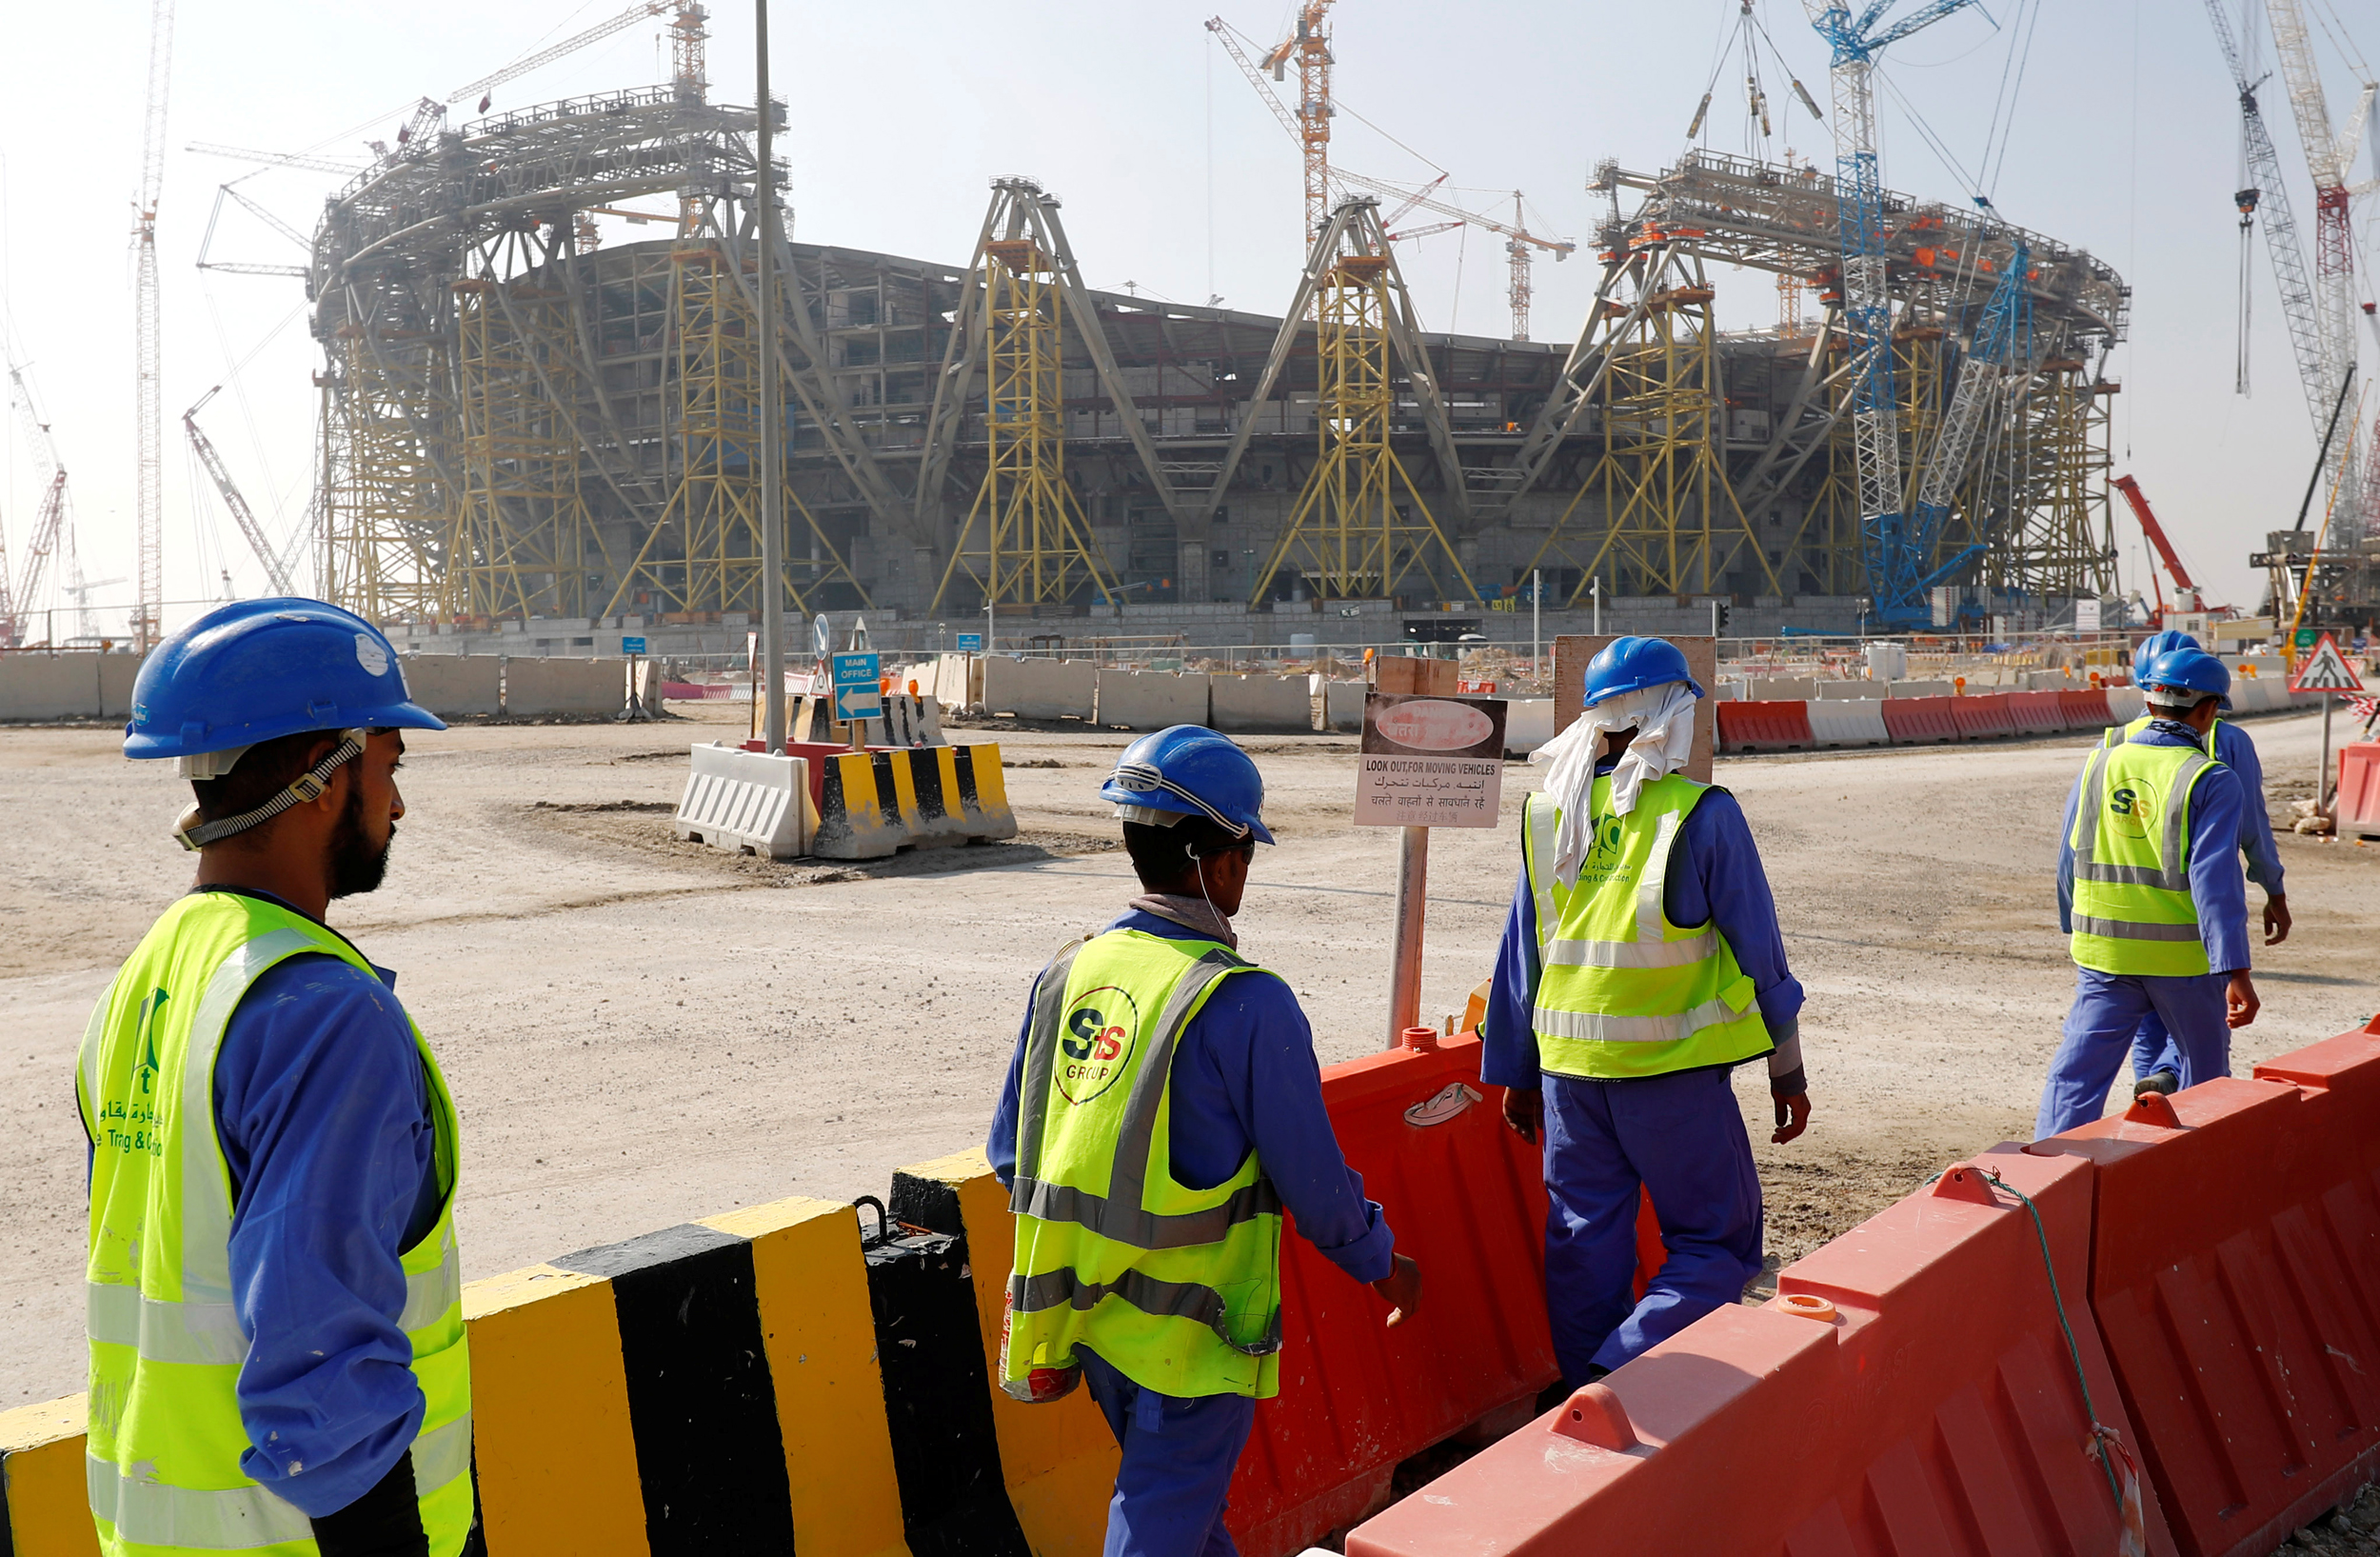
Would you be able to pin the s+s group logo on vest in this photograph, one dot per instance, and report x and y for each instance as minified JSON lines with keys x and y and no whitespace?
{"x":1101,"y":1027}
{"x":2133,"y":808}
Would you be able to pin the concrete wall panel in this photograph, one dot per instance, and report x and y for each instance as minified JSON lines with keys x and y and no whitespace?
{"x":543,"y":686}
{"x":1151,"y":699}
{"x":1272,"y":705}
{"x":1342,"y":705}
{"x":450,"y":684}
{"x":52,"y":685}
{"x":1038,"y":688}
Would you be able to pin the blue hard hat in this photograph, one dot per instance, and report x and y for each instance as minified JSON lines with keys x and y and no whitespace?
{"x":1631,"y":665}
{"x":2194,"y":670}
{"x":258,"y":669}
{"x":2156,"y":644}
{"x":1190,"y":771}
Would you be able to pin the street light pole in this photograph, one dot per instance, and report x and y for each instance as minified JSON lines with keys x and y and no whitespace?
{"x":772,"y":459}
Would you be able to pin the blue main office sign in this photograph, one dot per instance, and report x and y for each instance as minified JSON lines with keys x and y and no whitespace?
{"x":858,"y":670}
{"x":856,"y":678}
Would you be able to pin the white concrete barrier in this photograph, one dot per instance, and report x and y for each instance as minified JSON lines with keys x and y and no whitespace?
{"x":117,"y":672}
{"x":454,"y":684}
{"x":1920,"y":689}
{"x":2125,"y":704}
{"x":1780,"y":689}
{"x":1828,"y":688}
{"x":51,"y":685}
{"x":1038,"y":688}
{"x":1528,"y":723}
{"x":1270,"y":705}
{"x":1151,"y":699}
{"x":567,"y":686}
{"x":1342,"y":703}
{"x":747,"y":802}
{"x":1848,"y":721}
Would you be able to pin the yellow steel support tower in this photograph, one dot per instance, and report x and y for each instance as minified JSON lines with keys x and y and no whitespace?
{"x":1025,"y":542}
{"x":391,"y":525}
{"x":713,"y":514}
{"x":1671,"y":522}
{"x":1359,"y":525}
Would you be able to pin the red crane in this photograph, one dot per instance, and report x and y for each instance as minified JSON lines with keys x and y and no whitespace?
{"x":2185,"y":591}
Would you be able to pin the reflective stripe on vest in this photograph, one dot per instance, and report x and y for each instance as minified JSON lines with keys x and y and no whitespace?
{"x":1709,"y":1017}
{"x":2133,"y":911}
{"x":167,"y":1346}
{"x":1099,"y":1218}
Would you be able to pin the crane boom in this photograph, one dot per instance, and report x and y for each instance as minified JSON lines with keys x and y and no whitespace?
{"x":2186,"y":592}
{"x":626,"y":19}
{"x":1897,"y":566}
{"x":241,"y":514}
{"x":276,"y":159}
{"x":148,"y":334}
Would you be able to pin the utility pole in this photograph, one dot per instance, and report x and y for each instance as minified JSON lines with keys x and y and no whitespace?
{"x":772,"y":428}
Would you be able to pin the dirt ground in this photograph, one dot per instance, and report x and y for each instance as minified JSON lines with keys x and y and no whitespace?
{"x":640,"y":1032}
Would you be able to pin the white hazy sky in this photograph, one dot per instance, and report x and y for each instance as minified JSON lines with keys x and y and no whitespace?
{"x":2123,"y":140}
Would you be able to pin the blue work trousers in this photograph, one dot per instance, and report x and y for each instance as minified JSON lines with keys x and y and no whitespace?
{"x":1679,"y":1136}
{"x":2106,"y":1022}
{"x":2153,"y":1048}
{"x":1179,"y":1455}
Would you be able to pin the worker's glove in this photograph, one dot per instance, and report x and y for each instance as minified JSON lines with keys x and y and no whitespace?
{"x":1792,"y":1113}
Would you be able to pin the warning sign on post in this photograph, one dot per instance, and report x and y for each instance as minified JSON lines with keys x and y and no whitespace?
{"x":1430,"y":762}
{"x":2326,"y":671}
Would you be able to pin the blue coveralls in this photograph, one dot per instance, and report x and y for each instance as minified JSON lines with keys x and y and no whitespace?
{"x":1244,"y":1075}
{"x":1678,"y":1136}
{"x":2109,"y":1008}
{"x":2153,"y":1048}
{"x":322,"y":1111}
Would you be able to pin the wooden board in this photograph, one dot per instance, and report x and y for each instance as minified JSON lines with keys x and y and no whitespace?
{"x":1572,"y":650}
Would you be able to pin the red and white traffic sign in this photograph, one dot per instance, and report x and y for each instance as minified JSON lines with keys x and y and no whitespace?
{"x":2326,"y":671}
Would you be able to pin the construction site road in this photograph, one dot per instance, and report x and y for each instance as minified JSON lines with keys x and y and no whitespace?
{"x":640,"y":1032}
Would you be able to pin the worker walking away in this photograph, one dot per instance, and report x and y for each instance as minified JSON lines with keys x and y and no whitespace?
{"x":2150,"y":889}
{"x":2156,"y":1059}
{"x":1162,"y":1107}
{"x":275,"y":1301}
{"x":1641,"y":965}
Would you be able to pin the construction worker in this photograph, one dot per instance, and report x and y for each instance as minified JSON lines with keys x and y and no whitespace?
{"x":1162,"y":1106}
{"x":274,"y":1307}
{"x":2156,"y":1060}
{"x":2150,"y":889}
{"x":1641,"y":965}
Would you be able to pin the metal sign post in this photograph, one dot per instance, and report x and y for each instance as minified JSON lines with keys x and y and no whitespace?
{"x":772,"y":420}
{"x":1425,"y":761}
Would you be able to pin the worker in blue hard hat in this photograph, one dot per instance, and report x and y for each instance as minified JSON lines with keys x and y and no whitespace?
{"x":1162,"y":1108}
{"x":1641,"y":963}
{"x":2151,"y":890}
{"x":277,"y":1355}
{"x":2156,"y":1059}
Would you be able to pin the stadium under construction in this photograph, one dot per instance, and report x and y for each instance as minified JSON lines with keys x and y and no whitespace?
{"x":521,"y":423}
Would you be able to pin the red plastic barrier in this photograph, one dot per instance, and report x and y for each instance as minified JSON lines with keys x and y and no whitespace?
{"x":1984,"y":717}
{"x":1911,"y":1391}
{"x":2036,"y":713}
{"x":1467,"y":1199}
{"x":2235,"y":1276}
{"x":1914,"y":721}
{"x":2084,"y":710}
{"x":1773,"y":726}
{"x":2359,"y":788}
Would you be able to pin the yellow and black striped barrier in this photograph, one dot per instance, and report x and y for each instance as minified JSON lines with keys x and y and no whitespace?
{"x":874,"y":804}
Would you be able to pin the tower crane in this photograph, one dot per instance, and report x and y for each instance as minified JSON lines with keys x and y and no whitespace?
{"x":1520,"y":245}
{"x":241,"y":514}
{"x":1897,"y":570}
{"x":149,"y":607}
{"x":2266,"y":195}
{"x":50,"y":517}
{"x":2328,"y":159}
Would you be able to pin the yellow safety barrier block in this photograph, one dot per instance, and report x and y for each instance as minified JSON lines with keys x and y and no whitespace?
{"x":42,"y":1495}
{"x":1058,"y":1459}
{"x":810,"y":1281}
{"x":549,"y":1417}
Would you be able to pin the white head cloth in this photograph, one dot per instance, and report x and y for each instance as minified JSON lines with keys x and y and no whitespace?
{"x":1663,"y":718}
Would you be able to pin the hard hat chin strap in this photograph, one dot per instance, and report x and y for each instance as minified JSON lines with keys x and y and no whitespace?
{"x":196,"y":835}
